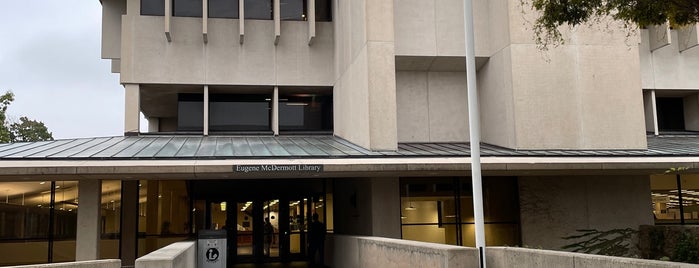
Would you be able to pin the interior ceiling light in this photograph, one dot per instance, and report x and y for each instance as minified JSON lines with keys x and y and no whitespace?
{"x":223,"y":206}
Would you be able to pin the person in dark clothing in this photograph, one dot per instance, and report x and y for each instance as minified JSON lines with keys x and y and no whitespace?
{"x":269,"y":236}
{"x":316,"y":241}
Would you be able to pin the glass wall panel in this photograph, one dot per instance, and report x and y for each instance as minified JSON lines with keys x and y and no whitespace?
{"x":239,"y":112}
{"x":429,"y":209}
{"x":187,"y":8}
{"x":165,"y":214}
{"x":24,"y":222}
{"x":223,"y":9}
{"x":305,"y":112}
{"x":190,"y":112}
{"x":292,"y":9}
{"x":65,"y":221}
{"x":258,"y":9}
{"x":110,"y":219}
{"x":153,"y":7}
{"x":665,"y":194}
{"x":323,"y":10}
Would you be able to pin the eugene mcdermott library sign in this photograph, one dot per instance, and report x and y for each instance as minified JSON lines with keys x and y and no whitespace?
{"x":277,"y":168}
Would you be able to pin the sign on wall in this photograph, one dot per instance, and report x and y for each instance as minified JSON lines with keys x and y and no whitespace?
{"x":277,"y":168}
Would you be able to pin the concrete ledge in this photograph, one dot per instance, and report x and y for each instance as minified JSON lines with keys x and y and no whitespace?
{"x":500,"y":257}
{"x":176,"y":255}
{"x":78,"y":264}
{"x":357,"y":251}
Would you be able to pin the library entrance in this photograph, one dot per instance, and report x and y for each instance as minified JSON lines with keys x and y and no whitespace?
{"x":266,"y":220}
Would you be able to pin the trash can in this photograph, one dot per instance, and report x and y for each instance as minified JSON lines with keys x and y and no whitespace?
{"x":211,"y":249}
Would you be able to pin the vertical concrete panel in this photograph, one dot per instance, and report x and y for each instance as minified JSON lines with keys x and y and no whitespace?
{"x":382,"y":95}
{"x":132,"y":109}
{"x":497,"y":101}
{"x":554,"y":207}
{"x":448,"y":107}
{"x":87,"y":240}
{"x":674,"y":70}
{"x":385,"y":207}
{"x":415,"y":27}
{"x":412,"y":107}
{"x":111,"y":28}
{"x":352,"y":206}
{"x":691,"y":112}
{"x":648,"y":111}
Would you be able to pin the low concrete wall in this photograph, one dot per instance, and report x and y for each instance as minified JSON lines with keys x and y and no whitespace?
{"x":175,"y":255}
{"x":502,"y":257}
{"x":77,"y":264}
{"x":357,"y":251}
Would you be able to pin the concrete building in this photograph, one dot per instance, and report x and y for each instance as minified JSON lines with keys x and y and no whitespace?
{"x":356,"y":111}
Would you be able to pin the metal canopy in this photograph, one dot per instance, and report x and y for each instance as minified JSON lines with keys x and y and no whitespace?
{"x":284,"y":147}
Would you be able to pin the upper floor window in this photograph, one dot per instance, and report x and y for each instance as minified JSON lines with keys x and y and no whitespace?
{"x":240,"y":112}
{"x":223,"y":9}
{"x":153,"y":7}
{"x":187,"y":8}
{"x":190,"y":112}
{"x":292,"y":9}
{"x":306,"y":112}
{"x":258,"y":9}
{"x":323,"y":10}
{"x":670,"y":114}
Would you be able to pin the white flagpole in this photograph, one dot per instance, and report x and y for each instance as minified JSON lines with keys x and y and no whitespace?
{"x":474,"y":132}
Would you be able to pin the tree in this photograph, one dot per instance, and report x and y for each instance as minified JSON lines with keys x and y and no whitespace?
{"x":556,"y":13}
{"x":25,"y":130}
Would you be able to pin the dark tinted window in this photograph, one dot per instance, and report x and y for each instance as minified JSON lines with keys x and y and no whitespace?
{"x":238,"y":112}
{"x":323,"y":10}
{"x":258,"y":9}
{"x":153,"y":7}
{"x":292,"y":9}
{"x":187,"y":8}
{"x":305,"y":112}
{"x":670,"y":113}
{"x":223,"y":9}
{"x":190,"y":112}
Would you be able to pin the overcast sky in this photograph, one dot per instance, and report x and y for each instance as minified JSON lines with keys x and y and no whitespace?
{"x":50,"y":59}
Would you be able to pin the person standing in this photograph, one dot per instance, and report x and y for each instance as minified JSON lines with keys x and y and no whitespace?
{"x":269,"y":234}
{"x":316,"y":239}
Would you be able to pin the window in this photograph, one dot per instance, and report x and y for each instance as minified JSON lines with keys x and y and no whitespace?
{"x":153,"y":7}
{"x":670,"y":114}
{"x":223,"y":9}
{"x":240,"y":112}
{"x":187,"y":8}
{"x":323,"y":10}
{"x":190,"y":112}
{"x":258,"y":9}
{"x":666,"y":193}
{"x":441,"y":210}
{"x":292,"y":9}
{"x":305,"y":112}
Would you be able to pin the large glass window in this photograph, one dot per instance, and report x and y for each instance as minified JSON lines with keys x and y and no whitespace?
{"x":153,"y":7}
{"x":668,"y":192}
{"x":258,"y":9}
{"x":110,"y":227}
{"x":187,"y":8}
{"x":239,"y":112}
{"x":305,"y":112}
{"x":24,"y":222}
{"x":190,"y":112}
{"x":292,"y":9}
{"x":65,"y":221}
{"x":164,"y":214}
{"x":440,"y":210}
{"x":223,"y":9}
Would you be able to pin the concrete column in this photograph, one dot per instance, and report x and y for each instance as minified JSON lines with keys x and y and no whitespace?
{"x":129,"y":223}
{"x":132,"y":109}
{"x":241,"y":18}
{"x":87,"y":241}
{"x":153,"y":124}
{"x":277,"y":22}
{"x":205,"y":20}
{"x":168,"y":18}
{"x":385,"y":207}
{"x":206,"y":110}
{"x":311,"y":17}
{"x":275,"y":111}
{"x":691,"y":112}
{"x":655,"y":113}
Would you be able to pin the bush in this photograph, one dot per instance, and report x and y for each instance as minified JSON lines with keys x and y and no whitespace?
{"x":687,"y":249}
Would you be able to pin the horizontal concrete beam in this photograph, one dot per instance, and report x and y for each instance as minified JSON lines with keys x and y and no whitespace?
{"x":77,"y":264}
{"x":437,"y":166}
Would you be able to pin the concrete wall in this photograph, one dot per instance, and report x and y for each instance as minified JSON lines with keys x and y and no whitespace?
{"x":175,"y":255}
{"x":147,"y":57}
{"x":432,"y":106}
{"x":369,"y":206}
{"x":691,"y":112}
{"x":667,"y":68}
{"x":554,"y":207}
{"x":353,"y":251}
{"x":79,"y":264}
{"x":364,"y":95}
{"x":500,"y":257}
{"x":111,"y":28}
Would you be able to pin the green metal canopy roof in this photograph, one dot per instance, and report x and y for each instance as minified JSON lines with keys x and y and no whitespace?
{"x":253,"y":147}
